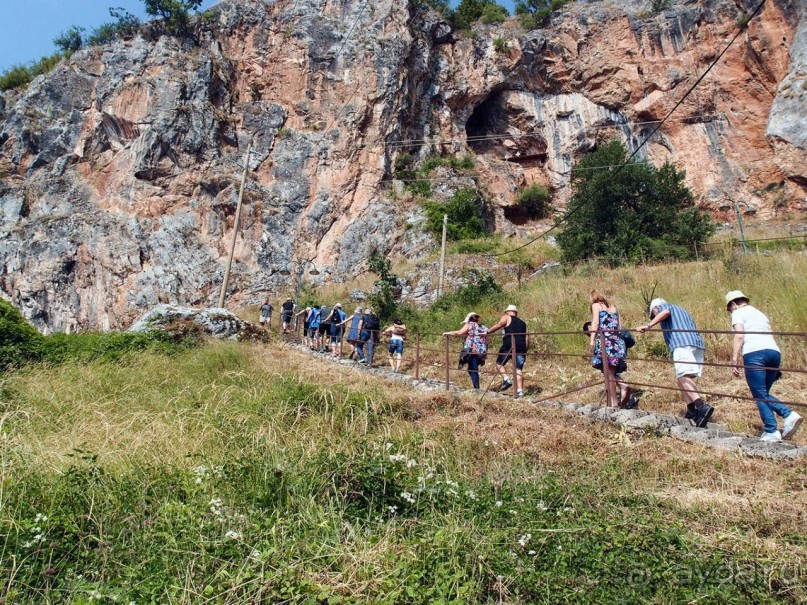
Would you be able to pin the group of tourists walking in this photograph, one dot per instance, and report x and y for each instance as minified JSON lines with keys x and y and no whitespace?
{"x":323,"y":329}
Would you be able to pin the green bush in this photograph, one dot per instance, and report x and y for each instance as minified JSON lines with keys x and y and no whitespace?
{"x":70,"y":41}
{"x":536,"y":13}
{"x":481,"y":285}
{"x":19,"y":76}
{"x":470,"y":11}
{"x":629,"y":212}
{"x":20,"y":343}
{"x":500,"y":45}
{"x":110,"y":346}
{"x":383,"y":298}
{"x":494,"y":13}
{"x":656,"y":6}
{"x":125,"y":25}
{"x":176,"y":14}
{"x":465,"y":210}
{"x":534,"y":201}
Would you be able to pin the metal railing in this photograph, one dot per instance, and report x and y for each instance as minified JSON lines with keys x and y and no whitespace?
{"x":441,"y":359}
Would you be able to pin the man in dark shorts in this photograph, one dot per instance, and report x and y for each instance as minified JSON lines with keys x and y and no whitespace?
{"x":286,"y":313}
{"x":513,"y":328}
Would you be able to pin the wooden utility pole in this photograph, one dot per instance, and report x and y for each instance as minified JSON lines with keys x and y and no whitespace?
{"x":235,"y":228}
{"x":442,"y":258}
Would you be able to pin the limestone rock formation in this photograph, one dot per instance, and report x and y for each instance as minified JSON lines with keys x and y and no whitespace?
{"x":119,"y":170}
{"x":219,"y":323}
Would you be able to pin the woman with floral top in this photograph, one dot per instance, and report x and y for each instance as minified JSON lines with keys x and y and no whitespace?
{"x":475,"y":349}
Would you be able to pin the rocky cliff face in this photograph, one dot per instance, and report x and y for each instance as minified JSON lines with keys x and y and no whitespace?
{"x":119,"y":170}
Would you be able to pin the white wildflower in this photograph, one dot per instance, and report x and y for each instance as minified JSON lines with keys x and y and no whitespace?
{"x":524,"y":539}
{"x":389,"y":446}
{"x":392,"y":509}
{"x":397,"y":458}
{"x":531,"y":553}
{"x":411,"y":463}
{"x":520,"y":500}
{"x":408,"y":497}
{"x":499,"y":502}
{"x":232,"y":535}
{"x":255,"y":554}
{"x":541,"y":506}
{"x":453,"y":484}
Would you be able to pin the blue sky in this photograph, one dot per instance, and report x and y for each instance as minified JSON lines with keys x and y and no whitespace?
{"x":29,"y":26}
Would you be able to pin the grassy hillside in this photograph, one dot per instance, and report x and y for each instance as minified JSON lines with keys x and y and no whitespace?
{"x":243,"y":474}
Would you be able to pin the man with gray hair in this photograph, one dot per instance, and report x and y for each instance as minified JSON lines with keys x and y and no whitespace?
{"x":686,"y":347}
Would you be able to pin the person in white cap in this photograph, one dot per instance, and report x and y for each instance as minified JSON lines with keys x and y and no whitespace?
{"x":761,"y":359}
{"x":686,"y":348}
{"x":513,"y":328}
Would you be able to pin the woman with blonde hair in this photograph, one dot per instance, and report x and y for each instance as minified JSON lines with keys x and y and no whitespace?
{"x":605,"y":317}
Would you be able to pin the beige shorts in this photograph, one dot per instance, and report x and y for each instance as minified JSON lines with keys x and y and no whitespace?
{"x":687,"y":361}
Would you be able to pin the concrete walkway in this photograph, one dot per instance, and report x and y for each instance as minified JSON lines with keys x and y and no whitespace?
{"x":714,"y":435}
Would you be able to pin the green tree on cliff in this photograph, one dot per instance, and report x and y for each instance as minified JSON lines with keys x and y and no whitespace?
{"x":175,"y":14}
{"x":470,"y":11}
{"x":629,"y":212}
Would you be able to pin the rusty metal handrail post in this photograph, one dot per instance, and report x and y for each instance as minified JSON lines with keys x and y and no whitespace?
{"x":515,"y":365}
{"x":341,"y":340}
{"x":417,"y":356}
{"x":448,"y":378}
{"x":604,"y":358}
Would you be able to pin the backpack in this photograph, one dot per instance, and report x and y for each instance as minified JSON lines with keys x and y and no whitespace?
{"x":628,"y":338}
{"x":371,"y":322}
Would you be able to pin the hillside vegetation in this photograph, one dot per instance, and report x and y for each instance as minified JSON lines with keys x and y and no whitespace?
{"x":234,"y":473}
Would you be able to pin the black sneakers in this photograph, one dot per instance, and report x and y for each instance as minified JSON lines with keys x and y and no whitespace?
{"x":703,"y":414}
{"x":506,"y":384}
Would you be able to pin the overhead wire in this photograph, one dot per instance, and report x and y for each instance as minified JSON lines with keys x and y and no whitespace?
{"x":493,"y":137}
{"x":569,"y":213}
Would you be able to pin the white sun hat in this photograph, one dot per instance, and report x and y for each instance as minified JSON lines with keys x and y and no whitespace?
{"x":734,"y":295}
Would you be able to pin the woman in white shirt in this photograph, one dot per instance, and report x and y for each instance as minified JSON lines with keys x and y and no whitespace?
{"x":761,"y":360}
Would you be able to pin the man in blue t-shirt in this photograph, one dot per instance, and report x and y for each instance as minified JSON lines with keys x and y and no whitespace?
{"x":313,"y":326}
{"x":686,"y":347}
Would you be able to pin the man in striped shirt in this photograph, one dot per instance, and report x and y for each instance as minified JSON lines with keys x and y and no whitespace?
{"x":687,"y":349}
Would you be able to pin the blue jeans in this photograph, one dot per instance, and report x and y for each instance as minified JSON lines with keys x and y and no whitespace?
{"x":365,"y":339}
{"x":760,"y":382}
{"x":473,"y":369}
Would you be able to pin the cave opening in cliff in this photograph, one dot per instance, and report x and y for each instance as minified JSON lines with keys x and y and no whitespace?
{"x":506,"y":125}
{"x":483,"y":123}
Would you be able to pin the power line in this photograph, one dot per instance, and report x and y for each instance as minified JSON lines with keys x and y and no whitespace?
{"x":702,"y":118}
{"x":742,"y":28}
